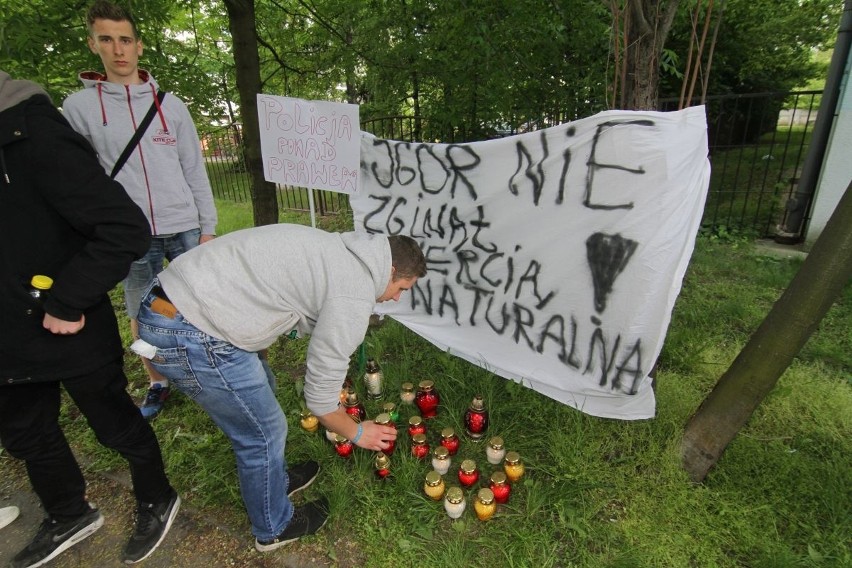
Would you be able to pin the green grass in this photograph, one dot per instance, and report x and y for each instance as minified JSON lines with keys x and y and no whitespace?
{"x":598,"y":493}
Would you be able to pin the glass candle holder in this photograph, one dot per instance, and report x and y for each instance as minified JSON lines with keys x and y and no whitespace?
{"x":441,"y":460}
{"x":406,"y":393}
{"x":495,"y":452}
{"x":381,"y":465}
{"x":484,"y":505}
{"x":373,"y":380}
{"x":419,"y":446}
{"x":513,"y":466}
{"x":454,"y":503}
{"x":343,"y":446}
{"x":354,"y":407}
{"x":427,"y":399}
{"x":383,"y":419}
{"x":476,"y":419}
{"x":389,"y":408}
{"x":434,"y":485}
{"x":468,"y":473}
{"x":500,"y":487}
{"x":416,"y":426}
{"x":449,"y":440}
{"x":308,"y":421}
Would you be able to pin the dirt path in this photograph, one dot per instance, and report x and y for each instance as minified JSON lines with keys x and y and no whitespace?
{"x":196,"y":540}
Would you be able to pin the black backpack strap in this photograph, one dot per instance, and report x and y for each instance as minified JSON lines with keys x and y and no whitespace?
{"x":143,"y":126}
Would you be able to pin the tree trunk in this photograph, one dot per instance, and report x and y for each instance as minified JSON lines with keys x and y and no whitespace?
{"x":648,"y":25}
{"x":349,"y":65}
{"x":771,"y":348}
{"x":244,"y":35}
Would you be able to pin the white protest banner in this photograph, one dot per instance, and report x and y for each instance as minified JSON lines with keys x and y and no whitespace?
{"x":555,"y":257}
{"x":312,"y":144}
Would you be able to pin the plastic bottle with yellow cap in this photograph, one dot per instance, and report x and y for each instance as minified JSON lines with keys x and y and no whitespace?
{"x":39,"y":287}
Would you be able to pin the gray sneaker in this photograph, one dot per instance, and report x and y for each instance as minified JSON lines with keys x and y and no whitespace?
{"x":153,"y":521}
{"x":55,"y":537}
{"x":306,"y":520}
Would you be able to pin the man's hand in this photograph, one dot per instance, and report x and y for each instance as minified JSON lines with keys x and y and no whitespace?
{"x":62,"y":327}
{"x":374,"y":436}
{"x":204,"y":238}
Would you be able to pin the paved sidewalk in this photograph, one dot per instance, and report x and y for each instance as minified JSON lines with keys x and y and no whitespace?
{"x":195,"y":540}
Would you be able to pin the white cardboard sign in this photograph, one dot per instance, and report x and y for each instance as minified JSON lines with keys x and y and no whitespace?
{"x":312,"y":144}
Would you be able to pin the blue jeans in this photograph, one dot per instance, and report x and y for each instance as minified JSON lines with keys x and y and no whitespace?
{"x":143,"y":271}
{"x":233,"y":387}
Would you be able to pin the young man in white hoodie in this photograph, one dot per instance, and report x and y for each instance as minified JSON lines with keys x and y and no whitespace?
{"x":165,"y":175}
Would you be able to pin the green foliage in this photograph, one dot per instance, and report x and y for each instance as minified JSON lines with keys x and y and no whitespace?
{"x":44,"y":41}
{"x":669,"y":63}
{"x":183,"y":47}
{"x":188,"y":49}
{"x":470,"y":70}
{"x":762,"y":45}
{"x":479,"y":66}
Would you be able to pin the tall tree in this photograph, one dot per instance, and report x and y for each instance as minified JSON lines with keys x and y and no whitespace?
{"x":770,"y":350}
{"x":640,"y":28}
{"x":241,"y":17}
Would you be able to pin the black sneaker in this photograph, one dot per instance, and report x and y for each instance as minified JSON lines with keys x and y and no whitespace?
{"x":152,"y":523}
{"x":306,"y":520}
{"x":301,"y":475}
{"x":54,"y":538}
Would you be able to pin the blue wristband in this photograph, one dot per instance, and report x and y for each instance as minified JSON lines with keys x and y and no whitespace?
{"x":358,"y":435}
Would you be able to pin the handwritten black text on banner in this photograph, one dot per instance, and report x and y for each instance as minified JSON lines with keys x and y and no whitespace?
{"x":555,"y":257}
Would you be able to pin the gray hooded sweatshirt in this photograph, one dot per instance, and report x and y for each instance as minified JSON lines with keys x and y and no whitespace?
{"x":14,"y":91}
{"x":165,"y":175}
{"x":251,"y":286}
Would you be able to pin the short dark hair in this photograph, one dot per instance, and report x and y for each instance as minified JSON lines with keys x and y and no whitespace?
{"x":406,"y":257}
{"x":104,"y":10}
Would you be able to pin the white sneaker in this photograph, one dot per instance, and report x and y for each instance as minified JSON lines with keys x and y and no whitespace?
{"x":8,"y":514}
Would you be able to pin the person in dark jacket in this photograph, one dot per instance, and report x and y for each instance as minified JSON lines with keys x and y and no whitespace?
{"x":62,"y":217}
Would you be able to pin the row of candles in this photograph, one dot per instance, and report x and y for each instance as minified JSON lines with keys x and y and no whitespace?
{"x":427,"y":400}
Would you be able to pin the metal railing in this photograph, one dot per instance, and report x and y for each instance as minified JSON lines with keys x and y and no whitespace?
{"x":229,"y":177}
{"x":757,"y":146}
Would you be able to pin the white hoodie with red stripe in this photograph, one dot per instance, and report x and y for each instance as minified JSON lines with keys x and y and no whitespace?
{"x":165,"y":174}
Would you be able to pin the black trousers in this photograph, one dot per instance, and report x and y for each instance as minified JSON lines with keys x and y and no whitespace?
{"x":29,"y":430}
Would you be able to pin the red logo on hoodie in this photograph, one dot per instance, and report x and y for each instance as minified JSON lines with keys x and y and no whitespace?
{"x":163,"y":137}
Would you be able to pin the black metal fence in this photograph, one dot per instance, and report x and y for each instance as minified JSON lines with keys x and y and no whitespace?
{"x":757,"y":145}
